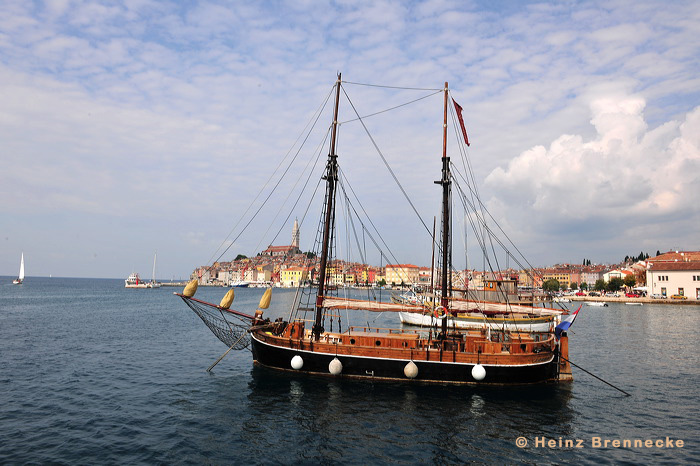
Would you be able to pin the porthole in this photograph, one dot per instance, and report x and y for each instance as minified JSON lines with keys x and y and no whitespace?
{"x":378,"y":342}
{"x":352,"y":341}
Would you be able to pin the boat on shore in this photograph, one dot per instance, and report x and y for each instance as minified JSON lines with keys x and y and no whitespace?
{"x":307,"y":343}
{"x":20,"y":278}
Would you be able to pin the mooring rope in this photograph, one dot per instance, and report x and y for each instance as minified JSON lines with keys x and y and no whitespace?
{"x":593,"y":375}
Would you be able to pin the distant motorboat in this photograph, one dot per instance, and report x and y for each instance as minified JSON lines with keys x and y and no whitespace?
{"x":635,"y":304}
{"x":597,"y":304}
{"x":134,"y":281}
{"x":20,"y":278}
{"x":240,"y":284}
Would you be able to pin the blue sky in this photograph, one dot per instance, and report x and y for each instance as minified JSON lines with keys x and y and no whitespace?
{"x":130,"y":127}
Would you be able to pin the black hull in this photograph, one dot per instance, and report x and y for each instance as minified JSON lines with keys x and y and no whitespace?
{"x":393,"y":369}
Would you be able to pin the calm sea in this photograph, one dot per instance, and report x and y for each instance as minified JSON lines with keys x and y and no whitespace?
{"x":93,"y":373}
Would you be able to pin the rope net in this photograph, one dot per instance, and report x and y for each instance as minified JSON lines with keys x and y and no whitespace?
{"x":230,"y":333}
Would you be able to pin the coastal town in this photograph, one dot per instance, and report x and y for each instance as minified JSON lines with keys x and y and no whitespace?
{"x":673,"y":275}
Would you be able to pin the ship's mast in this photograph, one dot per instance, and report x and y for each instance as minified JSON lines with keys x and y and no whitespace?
{"x":446,"y":249}
{"x":331,"y":178}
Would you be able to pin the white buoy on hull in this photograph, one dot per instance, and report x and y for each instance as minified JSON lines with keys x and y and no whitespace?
{"x":335,"y":367}
{"x":411,"y":370}
{"x":297,"y":362}
{"x":478,"y":372}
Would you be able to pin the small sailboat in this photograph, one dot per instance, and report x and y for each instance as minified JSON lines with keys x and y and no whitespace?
{"x":20,"y":279}
{"x":154,"y":283}
{"x":316,"y":340}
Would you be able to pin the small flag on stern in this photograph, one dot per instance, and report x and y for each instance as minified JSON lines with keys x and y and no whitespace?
{"x":461,"y":121}
{"x":566,"y":323}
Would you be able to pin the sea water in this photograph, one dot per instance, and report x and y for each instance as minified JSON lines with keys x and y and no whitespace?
{"x":93,"y":373}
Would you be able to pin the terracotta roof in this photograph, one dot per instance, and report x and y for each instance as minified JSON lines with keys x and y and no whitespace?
{"x":673,"y":256}
{"x":674,"y":266}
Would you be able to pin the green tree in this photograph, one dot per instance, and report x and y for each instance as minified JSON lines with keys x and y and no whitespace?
{"x":574,"y":286}
{"x":584,"y":286}
{"x":599,"y":285}
{"x":381,"y":282}
{"x":240,"y":256}
{"x":630,"y":281}
{"x":614,"y":284}
{"x":551,"y":285}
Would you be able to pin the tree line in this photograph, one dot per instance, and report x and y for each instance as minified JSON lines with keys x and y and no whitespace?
{"x":615,"y":284}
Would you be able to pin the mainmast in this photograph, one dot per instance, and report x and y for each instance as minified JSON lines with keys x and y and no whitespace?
{"x":446,"y":249}
{"x":331,"y":178}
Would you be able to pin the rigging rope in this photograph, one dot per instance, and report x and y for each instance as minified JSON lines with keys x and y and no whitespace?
{"x":317,"y":115}
{"x":398,"y":183}
{"x":395,"y":87}
{"x":392,"y":108}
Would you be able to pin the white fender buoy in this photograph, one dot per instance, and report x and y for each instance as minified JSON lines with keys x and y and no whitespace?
{"x":411,"y":370}
{"x":478,"y":372}
{"x":297,"y":362}
{"x":335,"y":367}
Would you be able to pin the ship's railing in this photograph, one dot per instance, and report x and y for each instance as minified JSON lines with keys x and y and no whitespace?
{"x":394,"y":331}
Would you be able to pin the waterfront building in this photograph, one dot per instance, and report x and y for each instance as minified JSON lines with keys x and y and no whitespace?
{"x":291,"y":277}
{"x":675,"y":273}
{"x":563,"y":276}
{"x":616,"y":273}
{"x":398,"y":274}
{"x":590,"y":275}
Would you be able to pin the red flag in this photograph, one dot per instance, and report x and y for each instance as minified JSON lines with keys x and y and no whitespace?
{"x":461,"y":121}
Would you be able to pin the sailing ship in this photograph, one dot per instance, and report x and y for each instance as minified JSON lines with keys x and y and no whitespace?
{"x":487,"y":354}
{"x":20,"y":278}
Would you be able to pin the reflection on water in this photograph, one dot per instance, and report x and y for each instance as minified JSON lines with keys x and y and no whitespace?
{"x":378,"y":421}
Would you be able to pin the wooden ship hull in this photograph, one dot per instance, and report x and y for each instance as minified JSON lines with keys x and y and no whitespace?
{"x":367,"y":354}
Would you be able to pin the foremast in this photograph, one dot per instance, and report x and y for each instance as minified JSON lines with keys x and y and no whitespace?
{"x":331,"y":177}
{"x":446,"y":183}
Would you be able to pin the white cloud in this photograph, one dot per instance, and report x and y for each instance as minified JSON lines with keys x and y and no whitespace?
{"x":623,"y":179}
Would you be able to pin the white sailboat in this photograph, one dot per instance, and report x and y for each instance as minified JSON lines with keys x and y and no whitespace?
{"x":153,"y":283}
{"x":20,"y":279}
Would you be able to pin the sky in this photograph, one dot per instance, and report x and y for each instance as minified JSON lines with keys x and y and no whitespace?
{"x":135,"y":127}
